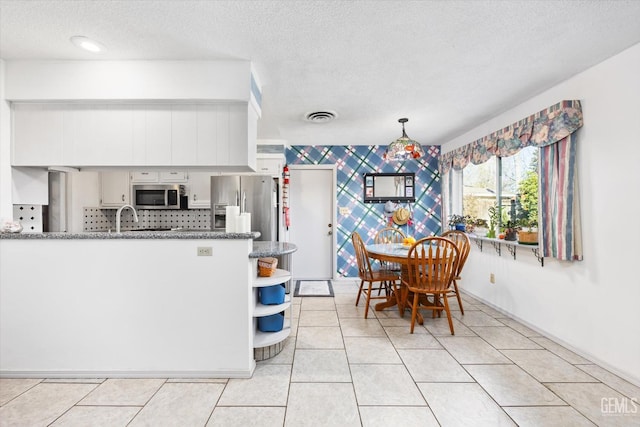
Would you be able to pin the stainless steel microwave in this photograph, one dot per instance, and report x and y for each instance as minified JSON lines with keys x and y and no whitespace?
{"x":161,"y":196}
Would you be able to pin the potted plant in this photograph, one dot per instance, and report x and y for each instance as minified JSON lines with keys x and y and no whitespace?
{"x":511,"y":231}
{"x":494,"y":217}
{"x":528,"y":234}
{"x":457,"y":222}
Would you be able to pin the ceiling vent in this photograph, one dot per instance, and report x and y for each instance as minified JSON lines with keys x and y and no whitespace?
{"x":320,"y":116}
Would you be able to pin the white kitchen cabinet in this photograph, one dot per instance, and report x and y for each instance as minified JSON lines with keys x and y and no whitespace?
{"x":158,"y":135}
{"x":184,"y":135}
{"x":162,"y":177}
{"x":144,"y":177}
{"x":199,"y":190}
{"x":100,"y":135}
{"x":37,"y":138}
{"x":266,"y":339}
{"x":269,"y":166}
{"x":114,"y":134}
{"x":115,"y":189}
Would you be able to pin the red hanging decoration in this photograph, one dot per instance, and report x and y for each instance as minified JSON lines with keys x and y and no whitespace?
{"x":285,"y":196}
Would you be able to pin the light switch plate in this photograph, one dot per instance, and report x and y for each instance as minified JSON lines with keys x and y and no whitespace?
{"x":344,"y":210}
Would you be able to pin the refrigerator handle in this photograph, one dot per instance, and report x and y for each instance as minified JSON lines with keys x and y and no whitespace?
{"x":244,"y":202}
{"x":237,"y":198}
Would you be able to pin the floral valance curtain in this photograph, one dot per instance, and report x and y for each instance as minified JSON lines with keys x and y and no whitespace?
{"x":543,"y":128}
{"x":552,"y":131}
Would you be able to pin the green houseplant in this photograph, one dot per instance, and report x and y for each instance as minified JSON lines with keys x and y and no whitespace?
{"x":528,"y":234}
{"x":494,"y":217}
{"x":457,"y":222}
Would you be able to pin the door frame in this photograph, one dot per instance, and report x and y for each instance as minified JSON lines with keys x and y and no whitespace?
{"x":333,"y":259}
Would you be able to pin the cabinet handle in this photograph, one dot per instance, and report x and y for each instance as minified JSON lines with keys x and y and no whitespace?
{"x":123,"y":197}
{"x":195,"y":197}
{"x":173,"y":173}
{"x":144,"y":173}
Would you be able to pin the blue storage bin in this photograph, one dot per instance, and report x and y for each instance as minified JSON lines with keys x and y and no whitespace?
{"x":273,"y":323}
{"x":272,"y":294}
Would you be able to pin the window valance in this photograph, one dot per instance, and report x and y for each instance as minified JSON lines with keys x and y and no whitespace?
{"x":540,"y":129}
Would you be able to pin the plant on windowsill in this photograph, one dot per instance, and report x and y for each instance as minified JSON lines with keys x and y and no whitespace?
{"x":528,"y":234}
{"x":511,"y":231}
{"x":494,"y":216}
{"x":457,"y":222}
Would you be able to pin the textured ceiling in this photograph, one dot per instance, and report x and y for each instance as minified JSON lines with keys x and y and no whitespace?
{"x":447,"y":66}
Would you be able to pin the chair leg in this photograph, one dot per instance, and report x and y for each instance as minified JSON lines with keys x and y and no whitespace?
{"x":359,"y":292}
{"x":366,"y":312}
{"x":455,"y":287}
{"x":446,"y":308}
{"x":396,"y":292}
{"x":414,"y":310}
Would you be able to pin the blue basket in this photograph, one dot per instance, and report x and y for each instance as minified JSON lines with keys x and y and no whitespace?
{"x":273,"y":323}
{"x":272,"y":294}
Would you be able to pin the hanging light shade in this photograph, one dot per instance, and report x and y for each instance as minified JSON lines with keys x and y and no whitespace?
{"x":404,"y":148}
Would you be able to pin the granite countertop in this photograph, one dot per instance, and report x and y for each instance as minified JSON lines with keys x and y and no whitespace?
{"x":139,"y":234}
{"x":269,"y":249}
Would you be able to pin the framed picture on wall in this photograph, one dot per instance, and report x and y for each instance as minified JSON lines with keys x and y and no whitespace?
{"x":409,"y":181}
{"x":369,"y":192}
{"x":368,"y":181}
{"x":409,"y":191}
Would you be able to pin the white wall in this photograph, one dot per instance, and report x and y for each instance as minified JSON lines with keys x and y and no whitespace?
{"x":591,"y":306}
{"x":119,"y":80}
{"x":6,"y":204}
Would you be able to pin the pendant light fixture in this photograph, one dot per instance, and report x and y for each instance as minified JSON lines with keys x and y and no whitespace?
{"x":403,"y":148}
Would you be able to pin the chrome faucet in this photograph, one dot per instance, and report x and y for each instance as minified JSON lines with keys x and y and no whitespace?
{"x":119,"y":214}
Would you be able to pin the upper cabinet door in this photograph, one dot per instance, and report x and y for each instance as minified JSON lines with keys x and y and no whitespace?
{"x":158,"y":136}
{"x":184,"y":135}
{"x":38,"y":132}
{"x":207,"y":126}
{"x":102,"y":135}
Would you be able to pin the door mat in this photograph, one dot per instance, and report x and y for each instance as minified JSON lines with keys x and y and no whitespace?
{"x":313,"y":288}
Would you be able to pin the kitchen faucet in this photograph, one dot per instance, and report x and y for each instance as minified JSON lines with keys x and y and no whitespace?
{"x":119,"y":214}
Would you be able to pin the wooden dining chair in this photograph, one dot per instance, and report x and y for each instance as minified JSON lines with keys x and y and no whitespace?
{"x":383,"y":278}
{"x":389,"y":235}
{"x":432,"y":265}
{"x":463,"y":243}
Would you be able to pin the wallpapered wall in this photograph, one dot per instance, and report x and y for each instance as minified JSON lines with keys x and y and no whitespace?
{"x":366,"y":218}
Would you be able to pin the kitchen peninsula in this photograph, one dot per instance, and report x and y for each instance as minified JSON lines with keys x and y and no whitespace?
{"x":135,"y":304}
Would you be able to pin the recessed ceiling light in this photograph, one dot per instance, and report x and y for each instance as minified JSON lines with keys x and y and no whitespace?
{"x":87,"y":44}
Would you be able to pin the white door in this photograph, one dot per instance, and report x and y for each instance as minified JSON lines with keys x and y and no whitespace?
{"x":312,"y":210}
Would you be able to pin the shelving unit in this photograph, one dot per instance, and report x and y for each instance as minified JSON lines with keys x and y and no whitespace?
{"x":266,"y":339}
{"x":511,"y":246}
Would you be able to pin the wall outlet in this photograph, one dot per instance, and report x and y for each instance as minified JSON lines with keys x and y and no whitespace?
{"x":492,"y":278}
{"x":205,"y":251}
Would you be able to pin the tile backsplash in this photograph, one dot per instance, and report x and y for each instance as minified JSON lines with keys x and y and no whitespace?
{"x":97,"y":219}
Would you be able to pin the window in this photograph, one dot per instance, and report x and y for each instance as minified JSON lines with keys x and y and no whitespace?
{"x":503,"y":190}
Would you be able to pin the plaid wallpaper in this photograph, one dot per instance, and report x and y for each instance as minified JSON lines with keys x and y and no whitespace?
{"x":352,"y":161}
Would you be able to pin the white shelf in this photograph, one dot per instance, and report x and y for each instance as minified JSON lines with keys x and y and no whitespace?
{"x":280,"y":276}
{"x":265,"y":339}
{"x":261,"y":310}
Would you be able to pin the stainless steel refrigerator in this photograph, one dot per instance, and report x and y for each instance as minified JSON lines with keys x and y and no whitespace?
{"x":256,"y":194}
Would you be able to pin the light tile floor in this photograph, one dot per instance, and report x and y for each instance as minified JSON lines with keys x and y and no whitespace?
{"x":338,"y":369}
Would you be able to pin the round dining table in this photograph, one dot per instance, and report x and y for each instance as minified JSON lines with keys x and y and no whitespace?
{"x":392,"y":253}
